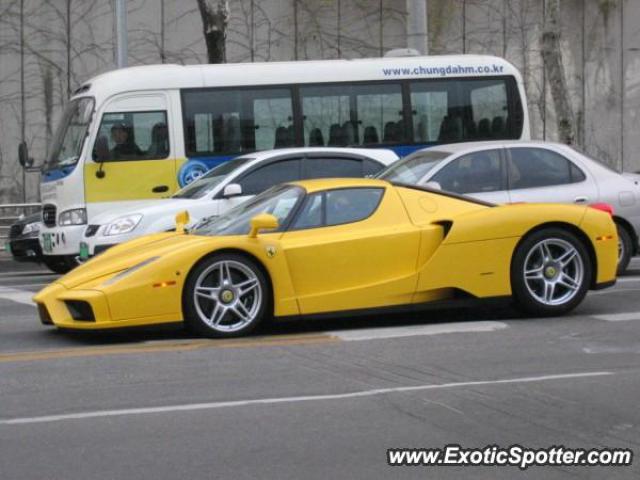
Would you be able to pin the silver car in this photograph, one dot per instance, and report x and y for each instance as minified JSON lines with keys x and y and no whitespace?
{"x":519,"y":171}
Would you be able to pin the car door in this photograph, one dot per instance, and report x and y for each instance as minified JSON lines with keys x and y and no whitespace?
{"x":480,"y":174}
{"x":538,"y":174}
{"x":352,"y":248}
{"x":133,"y":152}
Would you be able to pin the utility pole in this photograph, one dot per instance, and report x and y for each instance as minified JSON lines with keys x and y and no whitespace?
{"x":121,"y":34}
{"x":417,"y":37}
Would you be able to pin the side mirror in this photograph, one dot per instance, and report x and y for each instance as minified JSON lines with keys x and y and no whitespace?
{"x":182,"y":219}
{"x":232,"y":190}
{"x":23,"y":155}
{"x":264,"y":221}
{"x":434,"y":185}
{"x":101,"y":150}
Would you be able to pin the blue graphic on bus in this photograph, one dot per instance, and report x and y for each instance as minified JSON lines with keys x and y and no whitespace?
{"x":190,"y":171}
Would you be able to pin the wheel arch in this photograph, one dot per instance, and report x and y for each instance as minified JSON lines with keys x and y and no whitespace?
{"x":235,"y":251}
{"x":571,"y":229}
{"x":630,"y":230}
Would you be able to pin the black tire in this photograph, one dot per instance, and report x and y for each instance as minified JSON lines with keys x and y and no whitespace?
{"x":625,"y":247}
{"x":200,"y":311}
{"x":528,"y":294}
{"x":59,"y":265}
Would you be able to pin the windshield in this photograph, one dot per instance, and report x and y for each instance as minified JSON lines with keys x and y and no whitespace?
{"x":278,"y":201}
{"x":206,"y":183}
{"x":70,"y":135}
{"x":412,"y":168}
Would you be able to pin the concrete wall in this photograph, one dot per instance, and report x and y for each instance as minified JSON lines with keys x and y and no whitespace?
{"x":601,"y":48}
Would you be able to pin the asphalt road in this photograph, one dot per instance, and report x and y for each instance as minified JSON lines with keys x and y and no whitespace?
{"x":320,"y":399}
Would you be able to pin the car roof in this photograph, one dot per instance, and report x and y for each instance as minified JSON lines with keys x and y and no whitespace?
{"x":473,"y":146}
{"x":319,"y":184}
{"x":382,"y":155}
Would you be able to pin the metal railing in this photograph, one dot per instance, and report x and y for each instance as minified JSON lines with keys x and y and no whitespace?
{"x":11,"y":212}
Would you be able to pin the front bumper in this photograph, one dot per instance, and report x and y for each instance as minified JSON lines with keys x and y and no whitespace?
{"x":61,"y":240}
{"x":25,"y":249}
{"x":58,"y":306}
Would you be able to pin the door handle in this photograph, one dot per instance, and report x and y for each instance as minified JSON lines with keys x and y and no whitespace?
{"x":160,"y":189}
{"x":580,"y":199}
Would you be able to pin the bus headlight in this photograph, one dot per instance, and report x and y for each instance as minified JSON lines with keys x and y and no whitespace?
{"x":77,"y":216}
{"x":122,"y":225}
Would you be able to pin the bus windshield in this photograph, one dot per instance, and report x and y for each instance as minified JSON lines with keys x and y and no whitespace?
{"x":69,"y":137}
{"x":206,"y":183}
{"x":412,"y":168}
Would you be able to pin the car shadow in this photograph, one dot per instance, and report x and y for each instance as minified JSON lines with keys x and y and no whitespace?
{"x":309,"y":325}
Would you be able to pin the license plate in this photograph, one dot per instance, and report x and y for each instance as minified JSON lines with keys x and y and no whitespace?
{"x":84,"y":251}
{"x":47,"y":244}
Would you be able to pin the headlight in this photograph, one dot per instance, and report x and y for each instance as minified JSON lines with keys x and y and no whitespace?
{"x":122,"y":225}
{"x":31,"y":229}
{"x":130,"y":270}
{"x":77,"y":216}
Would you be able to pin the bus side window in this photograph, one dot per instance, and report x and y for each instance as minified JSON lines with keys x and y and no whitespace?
{"x":134,"y":136}
{"x":233,"y":121}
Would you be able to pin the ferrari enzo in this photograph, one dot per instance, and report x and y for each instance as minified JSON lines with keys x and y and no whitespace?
{"x":338,"y":246}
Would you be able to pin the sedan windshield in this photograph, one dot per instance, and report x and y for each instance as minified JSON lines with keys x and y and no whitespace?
{"x":412,"y":168}
{"x":69,"y":138}
{"x":210,"y":180}
{"x":278,"y":201}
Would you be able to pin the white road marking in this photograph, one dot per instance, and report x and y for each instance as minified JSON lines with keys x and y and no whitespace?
{"x":15,"y":295}
{"x":416,"y":330}
{"x":286,"y":400}
{"x":619,"y":317}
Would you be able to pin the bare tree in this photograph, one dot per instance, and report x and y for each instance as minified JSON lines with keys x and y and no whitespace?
{"x":554,"y":68}
{"x":215,"y":17}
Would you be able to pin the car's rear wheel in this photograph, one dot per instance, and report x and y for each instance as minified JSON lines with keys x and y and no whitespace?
{"x":550,"y":272}
{"x":225,"y":295}
{"x":625,"y":246}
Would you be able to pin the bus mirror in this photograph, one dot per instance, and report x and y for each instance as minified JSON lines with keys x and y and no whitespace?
{"x":23,"y":155}
{"x":101,"y":150}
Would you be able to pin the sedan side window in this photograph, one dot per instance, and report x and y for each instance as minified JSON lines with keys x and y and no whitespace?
{"x":262,"y":178}
{"x":539,"y":167}
{"x":336,"y":207}
{"x":476,"y":172}
{"x":332,"y":167}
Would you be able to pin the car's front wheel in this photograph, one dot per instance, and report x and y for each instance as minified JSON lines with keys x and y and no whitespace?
{"x":225,"y":295}
{"x":550,"y":272}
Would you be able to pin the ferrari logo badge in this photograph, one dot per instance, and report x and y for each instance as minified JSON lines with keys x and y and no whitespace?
{"x":271,"y":251}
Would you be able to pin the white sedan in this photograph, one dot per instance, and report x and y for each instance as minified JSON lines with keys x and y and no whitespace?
{"x":524,"y":171}
{"x":229,"y":184}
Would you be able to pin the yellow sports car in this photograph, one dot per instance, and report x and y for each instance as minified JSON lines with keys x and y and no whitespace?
{"x":339,"y":245}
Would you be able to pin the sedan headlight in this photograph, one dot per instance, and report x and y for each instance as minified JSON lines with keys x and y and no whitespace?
{"x":77,"y":216}
{"x":122,"y":225}
{"x":31,"y":229}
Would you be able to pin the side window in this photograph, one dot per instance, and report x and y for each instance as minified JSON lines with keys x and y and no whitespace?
{"x":336,"y":207}
{"x":339,"y":115}
{"x":135,"y":135}
{"x":539,"y":167}
{"x":431,"y":102}
{"x":234,"y":121}
{"x":312,"y":214}
{"x":260,"y":179}
{"x":332,"y":167}
{"x":476,"y":172}
{"x":371,"y":167}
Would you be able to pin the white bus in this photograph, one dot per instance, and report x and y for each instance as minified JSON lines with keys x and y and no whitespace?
{"x":141,"y":133}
